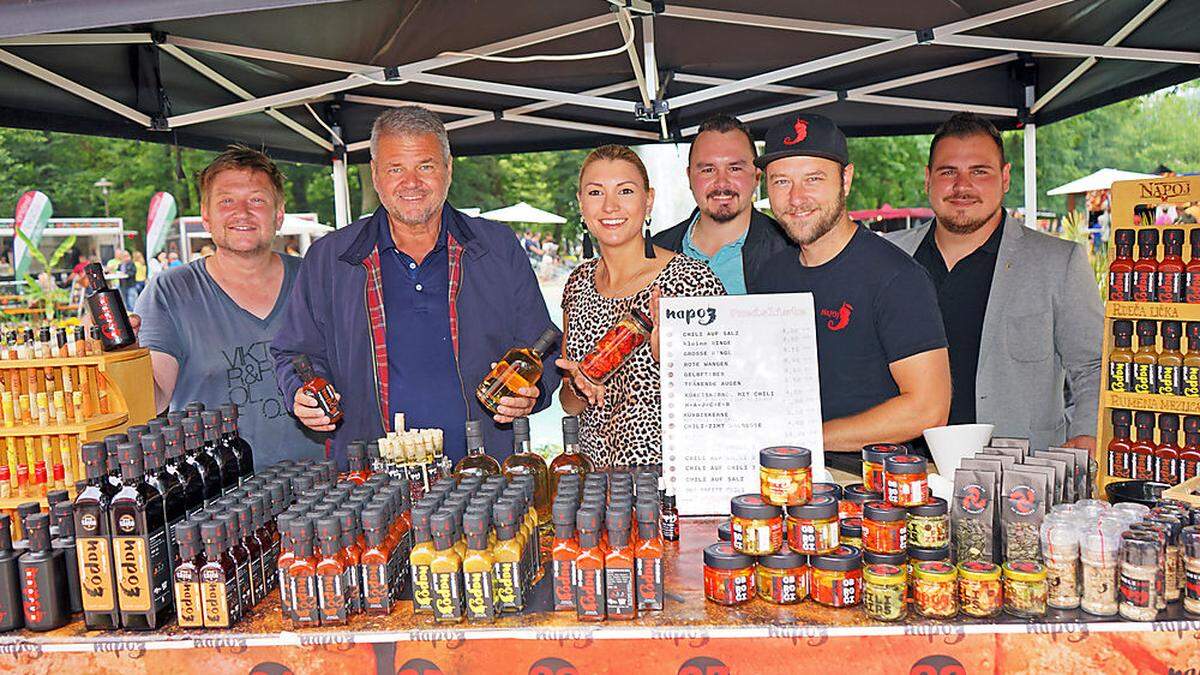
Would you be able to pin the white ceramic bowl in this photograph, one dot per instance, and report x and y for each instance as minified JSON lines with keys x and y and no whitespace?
{"x":950,"y":444}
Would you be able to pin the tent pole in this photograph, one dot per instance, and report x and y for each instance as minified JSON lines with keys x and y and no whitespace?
{"x":341,"y":192}
{"x":1030,"y":163}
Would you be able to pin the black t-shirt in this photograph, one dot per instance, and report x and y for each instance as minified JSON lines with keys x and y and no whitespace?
{"x":874,"y":304}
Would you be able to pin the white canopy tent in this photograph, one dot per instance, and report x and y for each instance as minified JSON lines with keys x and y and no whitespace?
{"x":1099,"y":180}
{"x":523,"y":213}
{"x":304,"y":226}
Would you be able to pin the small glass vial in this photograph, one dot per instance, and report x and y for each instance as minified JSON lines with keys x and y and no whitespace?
{"x":872,"y":458}
{"x":1190,"y":541}
{"x":785,"y":475}
{"x":756,"y":526}
{"x":980,"y":592}
{"x":850,"y":532}
{"x":1137,"y":579}
{"x":618,"y":344}
{"x":884,"y":528}
{"x":1024,"y":589}
{"x":837,"y":579}
{"x":813,"y":527}
{"x":1060,"y":551}
{"x":853,"y":498}
{"x":905,"y":480}
{"x":782,"y":578}
{"x":728,"y":575}
{"x":929,"y":524}
{"x":935,"y":590}
{"x":884,"y":590}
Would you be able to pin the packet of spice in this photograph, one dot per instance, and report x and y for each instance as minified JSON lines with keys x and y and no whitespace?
{"x":1060,"y":477}
{"x":1076,"y":481}
{"x":1009,"y":442}
{"x":1022,"y":495}
{"x":1086,"y":468}
{"x":1016,"y":453}
{"x":1049,"y":497}
{"x":1003,"y":461}
{"x":971,"y":514}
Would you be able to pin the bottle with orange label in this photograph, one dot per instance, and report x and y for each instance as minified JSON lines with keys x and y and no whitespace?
{"x":219,"y":596}
{"x":142,"y":558}
{"x":188,"y":609}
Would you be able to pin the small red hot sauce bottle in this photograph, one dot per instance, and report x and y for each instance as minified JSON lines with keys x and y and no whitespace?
{"x":1166,"y":456}
{"x":1171,"y":269}
{"x":1120,"y":270}
{"x":1120,"y":461}
{"x":1143,"y":449}
{"x":317,"y":387}
{"x":1145,"y":270}
{"x":1189,"y":456}
{"x":1191,"y":273}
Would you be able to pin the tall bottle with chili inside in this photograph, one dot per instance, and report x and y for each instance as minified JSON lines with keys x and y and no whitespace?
{"x":1171,"y":269}
{"x":728,"y":575}
{"x":1145,"y":270}
{"x":1119,"y":451}
{"x":1120,"y":270}
{"x":1120,"y":359}
{"x":617,"y":345}
{"x":1166,"y":455}
{"x":905,"y":480}
{"x":1145,"y":360}
{"x":1142,"y":450}
{"x":836,"y":578}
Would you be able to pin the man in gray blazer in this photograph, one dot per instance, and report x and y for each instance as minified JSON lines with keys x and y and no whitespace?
{"x":1022,"y":310}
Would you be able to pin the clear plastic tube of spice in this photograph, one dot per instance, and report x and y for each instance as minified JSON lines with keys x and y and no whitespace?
{"x":1099,"y":547}
{"x":1173,"y":525}
{"x":1159,"y":534}
{"x":1190,"y":541}
{"x":1060,"y":552}
{"x":1138,"y":573}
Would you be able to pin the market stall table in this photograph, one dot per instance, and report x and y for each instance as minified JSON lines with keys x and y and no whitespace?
{"x":690,"y":636}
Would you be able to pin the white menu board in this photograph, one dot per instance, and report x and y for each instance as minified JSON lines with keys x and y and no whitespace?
{"x":739,"y":374}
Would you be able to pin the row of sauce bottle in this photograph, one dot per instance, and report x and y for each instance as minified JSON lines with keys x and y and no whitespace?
{"x":1150,"y":278}
{"x":1141,"y":457}
{"x":1147,"y":370}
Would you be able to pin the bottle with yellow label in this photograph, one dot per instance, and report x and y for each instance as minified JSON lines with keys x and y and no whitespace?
{"x":446,"y":569}
{"x":509,"y":552}
{"x":477,"y":567}
{"x":1169,"y":368}
{"x":1191,"y":360}
{"x":1145,"y":359}
{"x":420,"y":558}
{"x":140,"y":551}
{"x":1120,"y":359}
{"x":93,"y":545}
{"x":188,"y":610}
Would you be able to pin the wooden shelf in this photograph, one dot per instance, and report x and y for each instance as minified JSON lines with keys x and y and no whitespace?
{"x":95,"y":424}
{"x":11,"y":503}
{"x":1158,"y":311}
{"x":95,"y":360}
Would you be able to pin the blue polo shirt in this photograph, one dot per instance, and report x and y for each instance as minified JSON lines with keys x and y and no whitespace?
{"x":726,"y":263}
{"x":423,"y":376}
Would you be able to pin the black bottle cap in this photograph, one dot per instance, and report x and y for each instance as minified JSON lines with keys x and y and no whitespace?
{"x":229,"y":412}
{"x":37,"y":531}
{"x":474,"y":434}
{"x":301,"y":362}
{"x":329,"y":528}
{"x":194,"y":407}
{"x":152,"y":444}
{"x":187,"y":534}
{"x":1147,"y":237}
{"x":373,"y":453}
{"x":1172,"y":237}
{"x":546,"y":341}
{"x":1147,"y":329}
{"x":442,"y":523}
{"x":302,"y":529}
{"x":152,"y":461}
{"x":722,"y":556}
{"x":233,"y":528}
{"x":64,"y":517}
{"x":192,"y":426}
{"x":95,"y":275}
{"x":375,"y":519}
{"x":1171,"y":329}
{"x":132,"y":461}
{"x":647,"y":511}
{"x":350,"y":520}
{"x":1125,"y":237}
{"x":570,"y":428}
{"x":156,"y":425}
{"x":1122,"y":418}
{"x":259,"y":508}
{"x":883,"y":512}
{"x":95,"y":456}
{"x":520,"y":428}
{"x":1191,"y":424}
{"x":1122,"y":328}
{"x":5,"y":532}
{"x":176,"y":417}
{"x":26,"y":509}
{"x":1168,"y":422}
{"x":245,"y":516}
{"x":173,"y":439}
{"x":587,"y":520}
{"x":211,"y":419}
{"x":1144,"y":419}
{"x":213,"y":533}
{"x":136,"y":432}
{"x":476,"y":522}
{"x":356,"y":449}
{"x":54,"y":497}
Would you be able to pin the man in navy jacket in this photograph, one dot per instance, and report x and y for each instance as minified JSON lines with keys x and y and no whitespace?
{"x":406,"y":310}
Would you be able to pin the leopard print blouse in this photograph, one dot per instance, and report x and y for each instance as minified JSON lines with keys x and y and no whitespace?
{"x":626,"y":430}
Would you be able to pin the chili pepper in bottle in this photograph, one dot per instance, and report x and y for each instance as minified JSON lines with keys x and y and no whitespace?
{"x":1191,"y":274}
{"x":302,"y":577}
{"x":1169,"y":369}
{"x":331,"y":569}
{"x":1145,"y":270}
{"x":1142,"y":450}
{"x":1120,"y":270}
{"x":1189,"y":456}
{"x":1120,"y":459}
{"x":1171,"y":269}
{"x":649,"y":557}
{"x":1166,"y":455}
{"x":1145,"y":359}
{"x":1120,"y":359}
{"x":589,"y":568}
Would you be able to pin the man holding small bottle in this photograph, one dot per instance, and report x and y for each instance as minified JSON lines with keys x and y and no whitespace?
{"x":405,"y":310}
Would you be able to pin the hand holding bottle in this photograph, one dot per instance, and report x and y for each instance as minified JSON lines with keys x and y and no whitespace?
{"x":584,"y":388}
{"x":305,"y":408}
{"x":512,"y":407}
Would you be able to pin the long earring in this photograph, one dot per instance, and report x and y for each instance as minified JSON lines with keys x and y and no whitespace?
{"x":648,"y":241}
{"x":588,"y":250}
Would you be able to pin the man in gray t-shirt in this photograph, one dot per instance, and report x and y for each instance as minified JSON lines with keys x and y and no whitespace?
{"x":209,"y":324}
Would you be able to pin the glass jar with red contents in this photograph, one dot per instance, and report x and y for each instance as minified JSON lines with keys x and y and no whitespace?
{"x":905,"y":480}
{"x":785,"y":475}
{"x":813,"y":527}
{"x":617,"y":345}
{"x":782,"y":578}
{"x":836,"y":577}
{"x":853,"y":498}
{"x":884,"y":528}
{"x":728,"y":575}
{"x":756,"y":526}
{"x":872,"y":457}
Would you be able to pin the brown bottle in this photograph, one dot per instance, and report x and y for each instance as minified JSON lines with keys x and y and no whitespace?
{"x":1145,"y":359}
{"x":1120,"y":359}
{"x":219,"y":597}
{"x":138,"y":522}
{"x":317,"y":387}
{"x":189,"y":612}
{"x":1191,"y":360}
{"x":1169,"y":368}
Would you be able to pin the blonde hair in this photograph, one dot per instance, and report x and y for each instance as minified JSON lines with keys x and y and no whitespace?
{"x":615,"y":153}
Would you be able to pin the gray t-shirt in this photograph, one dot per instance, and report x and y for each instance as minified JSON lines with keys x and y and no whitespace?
{"x":224,"y":356}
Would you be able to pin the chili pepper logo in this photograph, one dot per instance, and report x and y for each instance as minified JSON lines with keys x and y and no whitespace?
{"x":801,"y":129}
{"x":419,"y":667}
{"x":838,"y":318}
{"x":703,"y":665}
{"x":1022,"y":500}
{"x":553,"y":666}
{"x":973,"y":498}
{"x":938,"y":664}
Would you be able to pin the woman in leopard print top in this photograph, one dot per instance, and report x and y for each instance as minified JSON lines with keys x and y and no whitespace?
{"x":619,"y":422}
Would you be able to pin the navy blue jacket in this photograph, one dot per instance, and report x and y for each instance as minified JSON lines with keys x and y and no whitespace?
{"x":498,"y":306}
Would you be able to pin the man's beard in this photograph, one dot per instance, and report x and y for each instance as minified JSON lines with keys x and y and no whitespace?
{"x":397,"y":212}
{"x":828,"y":215}
{"x":723,"y":214}
{"x":964,"y":224}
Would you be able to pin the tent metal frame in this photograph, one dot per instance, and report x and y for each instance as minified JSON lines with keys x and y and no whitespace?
{"x":644,"y":66}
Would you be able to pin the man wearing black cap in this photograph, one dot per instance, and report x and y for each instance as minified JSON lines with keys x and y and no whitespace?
{"x":884,"y":371}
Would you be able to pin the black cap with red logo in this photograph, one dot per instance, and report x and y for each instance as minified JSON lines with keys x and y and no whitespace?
{"x":805,"y":135}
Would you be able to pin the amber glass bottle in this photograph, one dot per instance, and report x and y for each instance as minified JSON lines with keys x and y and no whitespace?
{"x":521,"y":367}
{"x":1169,"y":369}
{"x":477,"y":462}
{"x":525,"y":462}
{"x":477,"y":567}
{"x":446,"y":569}
{"x":1145,"y":359}
{"x":570,"y":460}
{"x":1120,"y":359}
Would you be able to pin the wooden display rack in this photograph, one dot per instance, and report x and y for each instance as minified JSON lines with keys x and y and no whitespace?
{"x":129,"y":384}
{"x":1126,"y":195}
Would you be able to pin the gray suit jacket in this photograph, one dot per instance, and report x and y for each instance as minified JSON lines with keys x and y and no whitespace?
{"x":1043,"y":327}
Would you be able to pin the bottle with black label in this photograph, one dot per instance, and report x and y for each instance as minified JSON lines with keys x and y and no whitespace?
{"x":168,"y":486}
{"x":241,"y":559}
{"x":376,"y":566}
{"x":249,"y":542}
{"x":190,"y":482}
{"x":64,"y":515}
{"x":108,"y":311}
{"x":231,"y":437}
{"x":53,"y":498}
{"x":43,"y":576}
{"x":222,"y":454}
{"x":477,"y":566}
{"x":222,"y":606}
{"x":620,"y":590}
{"x":1145,"y":359}
{"x":260,"y":512}
{"x":12,"y":616}
{"x":446,"y":569}
{"x":1120,"y":359}
{"x":206,"y":466}
{"x":93,"y":545}
{"x":138,"y":522}
{"x":189,"y":612}
{"x":331,"y":571}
